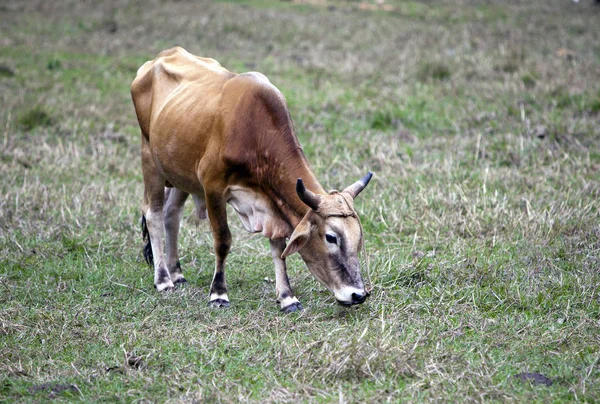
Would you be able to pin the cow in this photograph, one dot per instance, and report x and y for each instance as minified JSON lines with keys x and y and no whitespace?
{"x":228,"y":138}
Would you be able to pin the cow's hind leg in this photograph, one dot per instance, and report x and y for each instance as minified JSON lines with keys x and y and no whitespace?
{"x":175,"y":199}
{"x":215,"y":204}
{"x":285,"y":296}
{"x":153,"y":217}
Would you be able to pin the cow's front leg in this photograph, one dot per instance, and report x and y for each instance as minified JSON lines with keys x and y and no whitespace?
{"x":285,"y":296}
{"x":217,"y":215}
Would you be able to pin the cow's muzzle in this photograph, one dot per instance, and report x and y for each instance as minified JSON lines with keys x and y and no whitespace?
{"x":357,"y":298}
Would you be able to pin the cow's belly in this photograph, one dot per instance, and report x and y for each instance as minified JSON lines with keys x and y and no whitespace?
{"x":256,"y":213}
{"x":185,"y":180}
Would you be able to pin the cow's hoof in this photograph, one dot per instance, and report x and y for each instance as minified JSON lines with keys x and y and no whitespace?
{"x":180,"y":281}
{"x":296,"y":306}
{"x":219,"y":303}
{"x":164,"y":286}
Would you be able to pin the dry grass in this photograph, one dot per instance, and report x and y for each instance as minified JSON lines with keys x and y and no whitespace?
{"x":480,"y":121}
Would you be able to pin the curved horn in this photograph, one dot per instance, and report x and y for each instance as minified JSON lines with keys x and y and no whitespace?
{"x":308,"y":197}
{"x":354,"y":189}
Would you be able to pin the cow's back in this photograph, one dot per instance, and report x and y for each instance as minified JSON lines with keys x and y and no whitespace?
{"x":175,"y":71}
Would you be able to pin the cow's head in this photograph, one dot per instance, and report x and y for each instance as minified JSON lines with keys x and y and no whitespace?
{"x":329,"y":238}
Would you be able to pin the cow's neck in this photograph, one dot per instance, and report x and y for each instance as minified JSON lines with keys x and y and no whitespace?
{"x":282,"y":186}
{"x":279,"y":163}
{"x":298,"y":209}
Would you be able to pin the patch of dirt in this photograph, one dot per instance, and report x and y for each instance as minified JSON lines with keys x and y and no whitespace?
{"x":54,"y":388}
{"x":133,"y":361}
{"x":535,"y":378}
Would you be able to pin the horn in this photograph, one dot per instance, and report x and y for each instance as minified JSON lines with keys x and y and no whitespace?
{"x":354,"y":189}
{"x":308,"y":197}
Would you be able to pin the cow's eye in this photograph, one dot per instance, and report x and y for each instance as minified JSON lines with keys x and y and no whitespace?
{"x":331,"y":238}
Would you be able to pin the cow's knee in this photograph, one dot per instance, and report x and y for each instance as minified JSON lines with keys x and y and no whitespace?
{"x":223,"y":243}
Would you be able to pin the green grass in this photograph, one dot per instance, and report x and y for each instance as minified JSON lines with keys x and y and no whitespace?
{"x":482,"y":221}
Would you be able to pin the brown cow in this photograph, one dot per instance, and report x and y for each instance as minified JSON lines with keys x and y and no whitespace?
{"x":228,"y":138}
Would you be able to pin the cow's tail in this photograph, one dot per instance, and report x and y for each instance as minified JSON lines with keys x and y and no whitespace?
{"x":147,"y":244}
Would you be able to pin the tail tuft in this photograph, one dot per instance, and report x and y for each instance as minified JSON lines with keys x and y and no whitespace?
{"x":147,"y":244}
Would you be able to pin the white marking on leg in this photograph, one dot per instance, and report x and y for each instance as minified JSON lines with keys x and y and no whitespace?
{"x":216,"y":296}
{"x":288,"y":301}
{"x":156,"y":229}
{"x":164,"y":286}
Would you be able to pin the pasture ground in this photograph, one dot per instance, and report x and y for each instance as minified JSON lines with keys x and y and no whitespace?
{"x":480,"y":121}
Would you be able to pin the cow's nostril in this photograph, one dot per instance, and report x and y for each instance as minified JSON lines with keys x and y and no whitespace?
{"x":357,"y":299}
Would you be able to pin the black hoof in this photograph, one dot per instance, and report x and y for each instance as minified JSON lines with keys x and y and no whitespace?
{"x":180,"y":281}
{"x":292,"y":308}
{"x":220,"y":303}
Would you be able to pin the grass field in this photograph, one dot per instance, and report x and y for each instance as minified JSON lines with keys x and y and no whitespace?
{"x":480,"y":120}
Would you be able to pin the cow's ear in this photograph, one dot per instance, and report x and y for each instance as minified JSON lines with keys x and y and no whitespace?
{"x":298,"y":239}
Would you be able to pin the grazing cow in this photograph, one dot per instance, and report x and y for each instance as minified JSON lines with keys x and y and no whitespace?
{"x":228,"y":138}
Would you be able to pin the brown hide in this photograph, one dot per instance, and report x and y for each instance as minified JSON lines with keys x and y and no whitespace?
{"x":209,"y":128}
{"x":228,"y":138}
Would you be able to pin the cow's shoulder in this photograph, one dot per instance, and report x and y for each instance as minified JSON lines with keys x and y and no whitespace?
{"x":256,"y":121}
{"x":251,"y":98}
